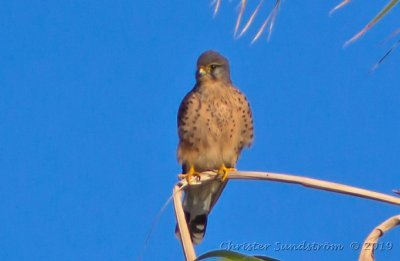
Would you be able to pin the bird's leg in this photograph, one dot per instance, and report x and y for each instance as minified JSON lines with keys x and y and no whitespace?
{"x":190,"y":174}
{"x":223,"y":171}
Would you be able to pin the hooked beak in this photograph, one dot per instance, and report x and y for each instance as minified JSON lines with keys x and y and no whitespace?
{"x":202,"y":71}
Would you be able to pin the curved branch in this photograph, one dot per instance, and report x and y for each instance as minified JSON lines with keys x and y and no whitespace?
{"x":367,"y":251}
{"x":208,"y":176}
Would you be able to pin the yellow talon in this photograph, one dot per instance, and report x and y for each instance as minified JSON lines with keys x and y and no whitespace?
{"x":224,"y":171}
{"x":189,"y":175}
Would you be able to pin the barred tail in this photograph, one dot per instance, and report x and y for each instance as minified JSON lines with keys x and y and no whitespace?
{"x":197,"y":227}
{"x":197,"y":204}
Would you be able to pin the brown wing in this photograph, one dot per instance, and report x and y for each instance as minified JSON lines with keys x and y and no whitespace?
{"x":246,"y":116}
{"x":188,"y":113}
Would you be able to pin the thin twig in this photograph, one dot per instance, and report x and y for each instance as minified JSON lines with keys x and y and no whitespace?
{"x":367,"y":251}
{"x":153,"y":226}
{"x":186,"y":241}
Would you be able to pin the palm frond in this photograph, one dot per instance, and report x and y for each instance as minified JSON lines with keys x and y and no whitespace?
{"x":251,"y":19}
{"x":375,"y":20}
{"x":345,"y":2}
{"x":216,"y":4}
{"x":270,"y":20}
{"x":385,"y":56}
{"x":240,"y":15}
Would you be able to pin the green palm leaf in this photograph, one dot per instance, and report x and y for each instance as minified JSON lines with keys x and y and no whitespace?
{"x":226,"y":255}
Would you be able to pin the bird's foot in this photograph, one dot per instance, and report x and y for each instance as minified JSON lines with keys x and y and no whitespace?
{"x":224,"y":171}
{"x":189,"y":175}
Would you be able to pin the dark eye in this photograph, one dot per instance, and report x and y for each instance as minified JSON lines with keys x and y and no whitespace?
{"x":213,"y":66}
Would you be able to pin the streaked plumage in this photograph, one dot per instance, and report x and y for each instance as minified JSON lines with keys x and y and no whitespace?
{"x":214,"y":124}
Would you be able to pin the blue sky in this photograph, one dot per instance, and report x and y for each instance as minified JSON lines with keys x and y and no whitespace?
{"x":88,"y":102}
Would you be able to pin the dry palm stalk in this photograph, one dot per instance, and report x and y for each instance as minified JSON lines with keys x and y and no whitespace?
{"x":186,"y":241}
{"x":187,"y":244}
{"x":305,"y":181}
{"x":367,"y":250}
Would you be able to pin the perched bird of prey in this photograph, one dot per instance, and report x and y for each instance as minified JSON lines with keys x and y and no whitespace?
{"x":214,"y":124}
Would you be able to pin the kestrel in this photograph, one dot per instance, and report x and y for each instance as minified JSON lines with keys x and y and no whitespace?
{"x":214,"y":124}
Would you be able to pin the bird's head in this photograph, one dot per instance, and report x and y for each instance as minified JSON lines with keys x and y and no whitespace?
{"x":212,"y":66}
